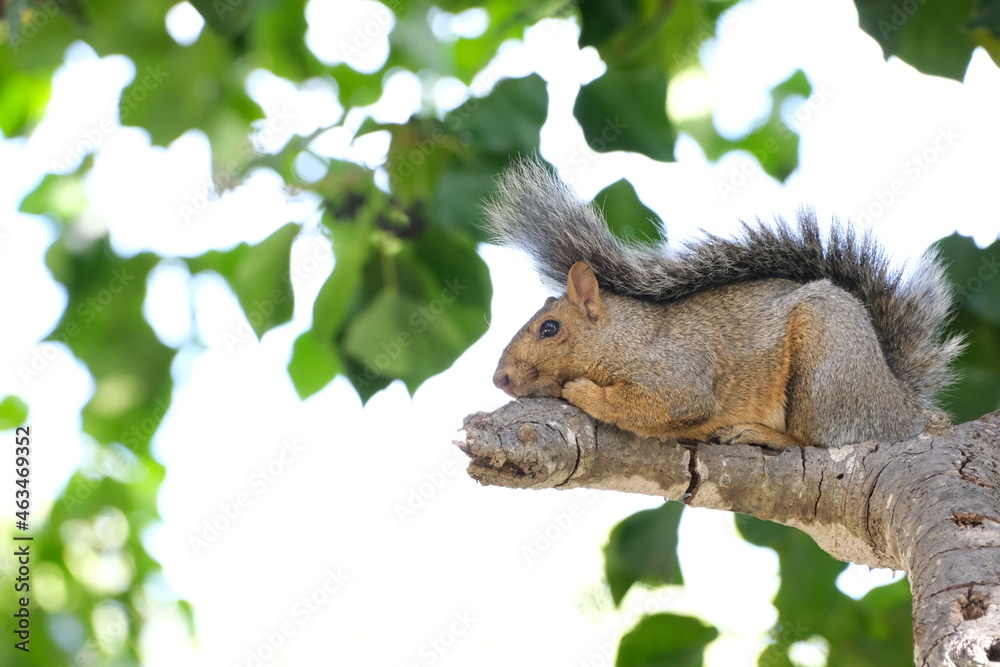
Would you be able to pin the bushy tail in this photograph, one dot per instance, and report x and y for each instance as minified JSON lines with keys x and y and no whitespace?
{"x":536,"y":212}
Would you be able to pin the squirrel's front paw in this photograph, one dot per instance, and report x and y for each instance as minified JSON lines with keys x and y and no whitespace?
{"x":583,"y":393}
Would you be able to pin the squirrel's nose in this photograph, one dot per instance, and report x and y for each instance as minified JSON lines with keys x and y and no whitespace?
{"x":502,"y":380}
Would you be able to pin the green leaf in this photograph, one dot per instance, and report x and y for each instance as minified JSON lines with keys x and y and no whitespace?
{"x":627,"y":216}
{"x":934,"y":37}
{"x":353,"y":246}
{"x":313,"y":364}
{"x":13,"y":413}
{"x":643,"y":549}
{"x":259,"y":275}
{"x":417,"y":322}
{"x":626,"y":110}
{"x":974,"y":272}
{"x":383,"y":337}
{"x":508,"y":121}
{"x":666,"y":640}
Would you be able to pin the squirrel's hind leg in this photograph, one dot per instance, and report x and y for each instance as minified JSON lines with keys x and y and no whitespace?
{"x":753,"y":434}
{"x":842,"y":389}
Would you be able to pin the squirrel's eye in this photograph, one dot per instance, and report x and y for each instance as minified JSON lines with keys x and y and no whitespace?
{"x":548,"y":329}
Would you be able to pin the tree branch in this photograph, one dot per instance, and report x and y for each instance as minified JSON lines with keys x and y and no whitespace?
{"x":929,"y":505}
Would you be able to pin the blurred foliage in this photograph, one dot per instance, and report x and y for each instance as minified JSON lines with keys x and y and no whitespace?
{"x":935,"y":36}
{"x":875,"y":630}
{"x":260,"y":276}
{"x":408,"y":292}
{"x":975,"y":273}
{"x":665,"y":640}
{"x":643,"y":549}
{"x":632,"y":220}
{"x":13,"y":412}
{"x":773,"y":142}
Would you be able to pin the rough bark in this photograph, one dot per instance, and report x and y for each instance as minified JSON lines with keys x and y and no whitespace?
{"x":929,"y":505}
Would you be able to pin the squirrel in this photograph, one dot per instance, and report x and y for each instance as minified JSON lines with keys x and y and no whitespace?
{"x":774,"y":338}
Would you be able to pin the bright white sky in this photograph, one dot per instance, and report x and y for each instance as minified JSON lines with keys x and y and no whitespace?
{"x":454,"y":582}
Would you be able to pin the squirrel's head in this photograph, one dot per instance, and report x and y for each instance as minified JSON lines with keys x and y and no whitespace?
{"x":558,"y":342}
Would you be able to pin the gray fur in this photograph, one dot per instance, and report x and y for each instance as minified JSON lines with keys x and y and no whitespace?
{"x":536,"y":212}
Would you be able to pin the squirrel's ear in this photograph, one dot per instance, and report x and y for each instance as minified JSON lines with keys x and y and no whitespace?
{"x":583,"y":291}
